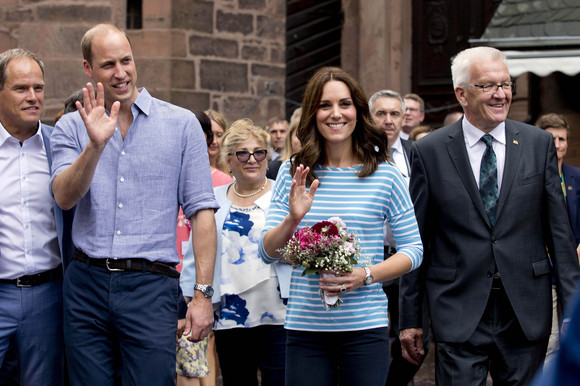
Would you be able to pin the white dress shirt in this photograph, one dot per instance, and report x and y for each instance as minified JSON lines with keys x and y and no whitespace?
{"x":403,"y":135}
{"x":476,"y":148}
{"x":28,"y":240}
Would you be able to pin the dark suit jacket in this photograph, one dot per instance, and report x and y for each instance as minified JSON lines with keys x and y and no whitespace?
{"x":572,"y":180}
{"x":461,"y":247}
{"x":63,"y":218}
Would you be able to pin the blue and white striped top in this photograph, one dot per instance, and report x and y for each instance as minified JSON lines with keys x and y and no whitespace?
{"x":363,"y":204}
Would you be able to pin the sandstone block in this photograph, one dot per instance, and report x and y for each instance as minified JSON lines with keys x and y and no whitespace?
{"x":207,"y":46}
{"x":235,"y":23}
{"x":223,"y":76}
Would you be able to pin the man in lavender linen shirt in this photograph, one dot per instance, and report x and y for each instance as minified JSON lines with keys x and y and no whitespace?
{"x":128,"y":161}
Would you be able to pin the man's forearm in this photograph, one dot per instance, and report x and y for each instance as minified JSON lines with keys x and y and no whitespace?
{"x":74,"y":182}
{"x":204,"y":239}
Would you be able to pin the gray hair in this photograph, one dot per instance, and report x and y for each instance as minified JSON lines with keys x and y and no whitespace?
{"x":463,"y":61}
{"x":7,"y":56}
{"x":387,"y":94}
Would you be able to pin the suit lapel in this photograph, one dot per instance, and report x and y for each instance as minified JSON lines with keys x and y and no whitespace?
{"x":513,"y":152}
{"x":458,"y":154}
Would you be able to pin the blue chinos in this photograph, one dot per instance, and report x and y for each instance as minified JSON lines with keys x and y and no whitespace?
{"x":119,"y":326}
{"x":31,"y":324}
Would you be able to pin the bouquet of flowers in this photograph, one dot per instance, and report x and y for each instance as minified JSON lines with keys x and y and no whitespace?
{"x":327,"y":245}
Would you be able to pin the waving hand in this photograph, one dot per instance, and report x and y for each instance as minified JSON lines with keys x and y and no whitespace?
{"x":100,"y":126}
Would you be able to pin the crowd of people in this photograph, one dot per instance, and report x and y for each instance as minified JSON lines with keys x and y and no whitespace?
{"x":470,"y":234}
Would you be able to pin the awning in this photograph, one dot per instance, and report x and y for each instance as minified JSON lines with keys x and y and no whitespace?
{"x":543,"y":63}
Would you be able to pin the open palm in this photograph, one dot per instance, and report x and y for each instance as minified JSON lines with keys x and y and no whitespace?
{"x":300,"y":200}
{"x":100,"y":126}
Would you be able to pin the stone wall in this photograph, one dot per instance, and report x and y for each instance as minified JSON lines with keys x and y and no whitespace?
{"x":198,"y":54}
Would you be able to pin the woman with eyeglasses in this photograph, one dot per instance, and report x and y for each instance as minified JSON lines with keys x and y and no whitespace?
{"x":250,"y":296}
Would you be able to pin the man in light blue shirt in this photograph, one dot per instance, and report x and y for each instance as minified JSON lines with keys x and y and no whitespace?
{"x":128,"y":161}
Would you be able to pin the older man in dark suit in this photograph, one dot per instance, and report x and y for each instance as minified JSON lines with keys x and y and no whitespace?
{"x":488,"y":202}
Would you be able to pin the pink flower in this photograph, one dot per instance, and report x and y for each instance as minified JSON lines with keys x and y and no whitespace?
{"x":325,"y":228}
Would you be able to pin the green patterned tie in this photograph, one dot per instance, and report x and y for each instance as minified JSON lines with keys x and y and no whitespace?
{"x":488,"y":179}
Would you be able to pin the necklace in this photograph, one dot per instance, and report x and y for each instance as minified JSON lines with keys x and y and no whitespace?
{"x":251,"y":194}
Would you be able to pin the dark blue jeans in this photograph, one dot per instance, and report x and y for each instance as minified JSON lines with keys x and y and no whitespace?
{"x":242,"y":351}
{"x":350,"y":358}
{"x":119,"y":326}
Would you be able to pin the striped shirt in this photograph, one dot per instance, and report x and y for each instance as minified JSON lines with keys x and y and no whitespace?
{"x":363,"y":204}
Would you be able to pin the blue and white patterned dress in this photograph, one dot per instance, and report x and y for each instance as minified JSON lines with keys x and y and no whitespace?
{"x":249,"y":287}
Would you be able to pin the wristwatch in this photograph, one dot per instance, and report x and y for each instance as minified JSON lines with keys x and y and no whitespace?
{"x":206,"y":290}
{"x":368,"y":277}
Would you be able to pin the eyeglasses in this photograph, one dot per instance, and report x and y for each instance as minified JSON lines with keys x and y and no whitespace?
{"x":244,"y":156}
{"x":492,"y":88}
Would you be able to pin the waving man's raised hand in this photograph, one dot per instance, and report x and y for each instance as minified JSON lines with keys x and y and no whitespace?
{"x":100,"y":126}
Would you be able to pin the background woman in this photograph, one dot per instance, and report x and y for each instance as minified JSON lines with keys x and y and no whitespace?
{"x":249,"y":294}
{"x":348,"y":178}
{"x":219,"y":174}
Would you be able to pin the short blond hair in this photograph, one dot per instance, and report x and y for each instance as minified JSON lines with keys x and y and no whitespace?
{"x":240,"y":131}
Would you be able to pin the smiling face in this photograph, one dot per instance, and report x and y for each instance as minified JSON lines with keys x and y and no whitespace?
{"x":388,"y":114}
{"x":251,"y":172}
{"x":413,"y":115}
{"x":560,"y":135}
{"x":113,"y":66}
{"x":336,"y":114}
{"x":485,"y":111}
{"x":22,"y":98}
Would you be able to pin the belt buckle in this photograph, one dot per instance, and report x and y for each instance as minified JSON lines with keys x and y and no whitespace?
{"x":113,"y":269}
{"x":19,"y":284}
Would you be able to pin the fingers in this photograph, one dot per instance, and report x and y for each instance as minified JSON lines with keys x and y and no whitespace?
{"x":100,"y":95}
{"x":115,"y":110}
{"x":412,"y":345}
{"x":407,"y":357}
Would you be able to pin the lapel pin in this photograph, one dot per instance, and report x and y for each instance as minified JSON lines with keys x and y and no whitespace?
{"x":516,"y":142}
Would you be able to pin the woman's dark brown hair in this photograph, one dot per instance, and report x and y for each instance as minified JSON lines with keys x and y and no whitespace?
{"x":369,"y":143}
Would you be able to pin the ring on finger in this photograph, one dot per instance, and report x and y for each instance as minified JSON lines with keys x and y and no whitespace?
{"x":343,"y":289}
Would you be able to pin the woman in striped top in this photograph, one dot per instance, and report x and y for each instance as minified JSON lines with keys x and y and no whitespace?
{"x":342,"y":170}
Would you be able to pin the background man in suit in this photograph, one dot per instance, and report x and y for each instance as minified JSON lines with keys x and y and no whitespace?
{"x":388,"y":109}
{"x":414,"y":114}
{"x":488,"y":202}
{"x":557,"y":125}
{"x":33,"y":241}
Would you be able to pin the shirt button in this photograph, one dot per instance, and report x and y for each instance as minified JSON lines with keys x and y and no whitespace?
{"x":489,"y":274}
{"x":123,"y":152}
{"x":122,"y":179}
{"x":118,"y":233}
{"x":120,"y":206}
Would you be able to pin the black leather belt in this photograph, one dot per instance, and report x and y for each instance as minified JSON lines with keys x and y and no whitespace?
{"x":132,"y":265}
{"x":389,"y":251}
{"x":36,"y":279}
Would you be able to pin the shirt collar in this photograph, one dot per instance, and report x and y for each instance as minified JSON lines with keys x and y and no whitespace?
{"x":398,"y":145}
{"x":473,"y":134}
{"x":4,"y":134}
{"x":143,"y":101}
